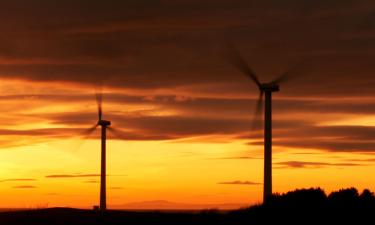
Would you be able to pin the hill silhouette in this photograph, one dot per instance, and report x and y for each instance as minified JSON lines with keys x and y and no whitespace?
{"x":167,"y":205}
{"x":302,"y":206}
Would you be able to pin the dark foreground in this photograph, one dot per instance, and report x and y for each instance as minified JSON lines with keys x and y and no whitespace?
{"x":307,"y":206}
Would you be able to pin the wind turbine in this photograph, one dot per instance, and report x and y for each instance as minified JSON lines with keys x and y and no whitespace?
{"x":104,"y":124}
{"x":265,"y":89}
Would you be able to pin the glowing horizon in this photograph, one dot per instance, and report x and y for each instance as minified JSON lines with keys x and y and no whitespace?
{"x":193,"y":169}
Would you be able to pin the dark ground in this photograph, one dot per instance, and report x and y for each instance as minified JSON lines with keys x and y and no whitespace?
{"x":305,"y":206}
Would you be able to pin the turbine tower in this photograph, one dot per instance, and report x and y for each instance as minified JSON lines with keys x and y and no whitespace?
{"x":265,"y":89}
{"x":104,"y":124}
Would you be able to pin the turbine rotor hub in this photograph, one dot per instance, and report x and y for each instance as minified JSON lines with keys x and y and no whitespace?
{"x":270,"y":87}
{"x":104,"y":123}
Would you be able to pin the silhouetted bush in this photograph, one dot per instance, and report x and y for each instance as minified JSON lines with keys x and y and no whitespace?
{"x":344,"y":197}
{"x":299,"y":198}
{"x":367,"y":196}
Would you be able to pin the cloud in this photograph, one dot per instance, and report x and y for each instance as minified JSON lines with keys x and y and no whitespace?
{"x":79,"y":175}
{"x":234,"y":158}
{"x":72,"y":175}
{"x":24,"y":187}
{"x":91,"y":181}
{"x":362,"y":160}
{"x":287,"y":133}
{"x":84,"y":42}
{"x":116,"y":188}
{"x":238,"y":182}
{"x":168,"y":56}
{"x":214,"y":105}
{"x":17,"y":179}
{"x":141,"y":125}
{"x":52,"y":194}
{"x":330,"y":138}
{"x":168,"y":127}
{"x":333,"y":145}
{"x":304,"y":164}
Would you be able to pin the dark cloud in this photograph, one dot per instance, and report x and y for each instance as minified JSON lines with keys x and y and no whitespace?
{"x":303,"y":164}
{"x":238,"y":182}
{"x":178,"y":47}
{"x":167,"y":127}
{"x":287,"y":133}
{"x":330,"y":138}
{"x":331,"y":145}
{"x":48,"y":134}
{"x":357,"y":133}
{"x":219,"y":105}
{"x":154,"y":44}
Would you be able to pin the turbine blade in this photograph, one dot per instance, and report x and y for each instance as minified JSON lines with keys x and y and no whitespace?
{"x":99,"y":101}
{"x":288,"y":75}
{"x":238,"y":61}
{"x":119,"y":134}
{"x":85,"y":135}
{"x":257,"y":118}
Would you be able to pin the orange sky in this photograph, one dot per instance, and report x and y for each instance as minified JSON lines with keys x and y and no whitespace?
{"x":184,"y":112}
{"x":197,"y":168}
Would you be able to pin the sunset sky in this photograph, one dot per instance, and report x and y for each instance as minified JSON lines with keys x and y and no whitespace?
{"x":184,"y":112}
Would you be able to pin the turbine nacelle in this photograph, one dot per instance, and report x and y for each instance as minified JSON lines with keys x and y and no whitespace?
{"x":269,"y":87}
{"x":104,"y":123}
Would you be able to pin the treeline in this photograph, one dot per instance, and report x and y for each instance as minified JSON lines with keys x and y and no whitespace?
{"x":316,"y":197}
{"x":312,"y":206}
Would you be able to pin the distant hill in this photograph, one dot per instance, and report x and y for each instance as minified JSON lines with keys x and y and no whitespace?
{"x":167,"y":205}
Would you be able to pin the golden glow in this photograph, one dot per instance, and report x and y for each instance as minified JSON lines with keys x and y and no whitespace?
{"x":354,"y":121}
{"x":188,"y":170}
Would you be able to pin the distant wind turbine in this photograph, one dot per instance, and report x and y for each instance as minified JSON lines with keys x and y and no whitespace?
{"x":265,"y":89}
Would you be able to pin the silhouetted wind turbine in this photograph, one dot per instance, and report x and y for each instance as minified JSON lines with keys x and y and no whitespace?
{"x":265,"y":89}
{"x":104,"y":124}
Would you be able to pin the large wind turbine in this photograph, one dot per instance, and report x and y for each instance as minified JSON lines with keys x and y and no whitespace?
{"x":265,"y":89}
{"x":104,"y":125}
{"x":103,"y":174}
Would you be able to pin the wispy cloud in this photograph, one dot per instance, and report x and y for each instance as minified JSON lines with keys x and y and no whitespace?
{"x":116,"y":188}
{"x":24,"y":187}
{"x":72,"y":175}
{"x":329,"y":138}
{"x":17,"y":179}
{"x":235,"y":158}
{"x":304,"y":164}
{"x":91,"y":181}
{"x":238,"y":182}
